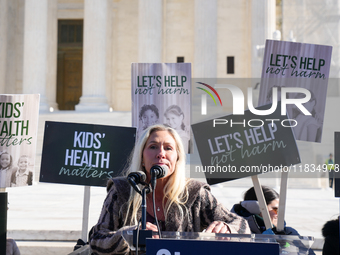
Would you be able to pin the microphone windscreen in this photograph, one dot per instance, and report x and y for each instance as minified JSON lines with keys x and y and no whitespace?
{"x":166,"y":170}
{"x":138,"y":176}
{"x":141,"y":175}
{"x":159,"y":171}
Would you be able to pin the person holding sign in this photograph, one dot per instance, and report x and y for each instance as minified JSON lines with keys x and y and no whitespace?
{"x":11,"y":245}
{"x":250,"y":210}
{"x":184,"y":205}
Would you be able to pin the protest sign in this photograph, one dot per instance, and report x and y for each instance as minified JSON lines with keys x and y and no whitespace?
{"x":18,"y":139}
{"x":84,"y":154}
{"x":289,"y":65}
{"x":237,"y":146}
{"x":161,"y":94}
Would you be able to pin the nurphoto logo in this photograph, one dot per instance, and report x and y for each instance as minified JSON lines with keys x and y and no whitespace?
{"x":238,"y":99}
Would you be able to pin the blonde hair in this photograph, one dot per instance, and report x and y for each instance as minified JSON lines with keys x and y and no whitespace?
{"x":175,"y":191}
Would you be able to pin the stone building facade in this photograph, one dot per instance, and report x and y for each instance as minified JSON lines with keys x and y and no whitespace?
{"x":38,"y":54}
{"x":77,"y":54}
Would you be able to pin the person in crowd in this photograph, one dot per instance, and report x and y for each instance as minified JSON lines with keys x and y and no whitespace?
{"x":12,"y":247}
{"x":184,"y":205}
{"x":175,"y":118}
{"x":330,"y":232}
{"x":250,"y":210}
{"x":6,"y":169}
{"x":330,"y":167}
{"x":23,"y":176}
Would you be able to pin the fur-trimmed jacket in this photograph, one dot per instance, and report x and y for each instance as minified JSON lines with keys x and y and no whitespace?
{"x":203,"y":208}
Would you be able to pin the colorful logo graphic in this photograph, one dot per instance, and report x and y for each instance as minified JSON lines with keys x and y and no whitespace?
{"x":213,"y":90}
{"x":204,"y":97}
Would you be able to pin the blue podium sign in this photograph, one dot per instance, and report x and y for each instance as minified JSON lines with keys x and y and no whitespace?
{"x":204,"y":247}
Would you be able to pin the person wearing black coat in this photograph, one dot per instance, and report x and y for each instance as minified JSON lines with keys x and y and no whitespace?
{"x":330,"y":232}
{"x":250,"y":210}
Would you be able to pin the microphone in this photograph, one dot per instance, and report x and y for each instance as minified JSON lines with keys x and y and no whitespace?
{"x":136,"y":178}
{"x":158,"y":171}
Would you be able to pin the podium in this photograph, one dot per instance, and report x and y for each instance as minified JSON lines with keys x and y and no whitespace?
{"x":199,"y":243}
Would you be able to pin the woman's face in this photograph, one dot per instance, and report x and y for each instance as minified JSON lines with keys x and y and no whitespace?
{"x":272,"y":209}
{"x":5,"y":160}
{"x":160,"y":149}
{"x":174,"y":121}
{"x":149,"y":118}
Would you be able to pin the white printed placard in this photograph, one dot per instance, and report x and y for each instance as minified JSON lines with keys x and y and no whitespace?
{"x":18,"y":138}
{"x":161,"y":94}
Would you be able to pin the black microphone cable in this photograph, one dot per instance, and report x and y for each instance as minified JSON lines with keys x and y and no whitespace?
{"x":157,"y":171}
{"x":155,"y":213}
{"x":137,"y":235}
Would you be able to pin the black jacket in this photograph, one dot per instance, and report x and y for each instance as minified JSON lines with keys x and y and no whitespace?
{"x":331,"y":233}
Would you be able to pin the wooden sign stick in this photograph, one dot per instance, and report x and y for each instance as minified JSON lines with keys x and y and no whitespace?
{"x":283,"y":197}
{"x":262,"y":201}
{"x":86,"y":208}
{"x":3,"y":222}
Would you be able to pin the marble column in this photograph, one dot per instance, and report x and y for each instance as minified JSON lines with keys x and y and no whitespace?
{"x":3,"y":44}
{"x":263,"y":23}
{"x":205,"y":56}
{"x":35,"y":50}
{"x":94,"y":57}
{"x":150,"y":22}
{"x":52,"y":49}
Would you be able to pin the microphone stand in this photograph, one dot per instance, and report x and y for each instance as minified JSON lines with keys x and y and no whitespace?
{"x":140,"y":236}
{"x":144,"y":192}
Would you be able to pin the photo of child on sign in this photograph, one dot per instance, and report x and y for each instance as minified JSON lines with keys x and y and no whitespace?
{"x":309,"y":128}
{"x":148,"y":116}
{"x":305,"y":127}
{"x":6,"y":169}
{"x":23,"y":176}
{"x":174,"y":118}
{"x":15,"y":173}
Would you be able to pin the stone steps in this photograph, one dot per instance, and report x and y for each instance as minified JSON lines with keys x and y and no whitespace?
{"x":45,"y":242}
{"x":45,"y":247}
